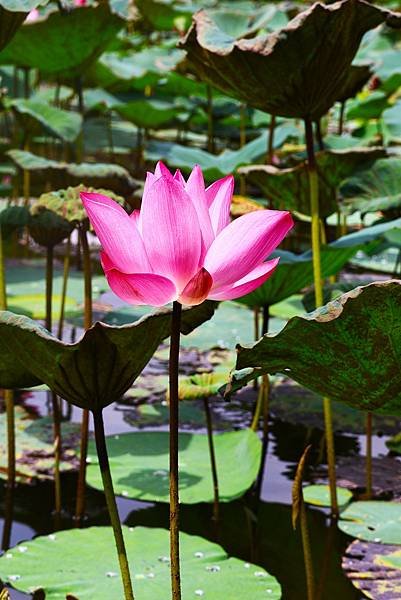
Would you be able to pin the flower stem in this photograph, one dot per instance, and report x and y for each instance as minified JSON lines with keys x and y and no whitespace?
{"x":9,"y":404}
{"x":80,"y":500}
{"x":306,"y":545}
{"x":66,"y":271}
{"x":270,"y":141}
{"x":54,"y":399}
{"x":111,"y":503}
{"x":264,"y":395}
{"x":174,"y":499}
{"x":213,"y":464}
{"x":317,"y":276}
{"x":369,"y":419}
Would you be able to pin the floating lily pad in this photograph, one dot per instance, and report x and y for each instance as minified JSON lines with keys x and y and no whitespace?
{"x":55,"y":564}
{"x":34,"y":305}
{"x":289,"y":188}
{"x":319,"y":495}
{"x":346,"y":350}
{"x":140,"y":465}
{"x":35,"y":446}
{"x":374,"y":569}
{"x":373,"y":521}
{"x":158,"y":414}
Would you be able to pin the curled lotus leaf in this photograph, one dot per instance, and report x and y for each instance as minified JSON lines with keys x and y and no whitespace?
{"x":13,"y":217}
{"x":61,"y":174}
{"x":95,"y":371}
{"x":296,"y":71}
{"x":201,"y":385}
{"x":48,"y":228}
{"x":12,"y":15}
{"x":288,"y":189}
{"x":67,"y":203}
{"x":348,"y":350}
{"x":77,"y":39}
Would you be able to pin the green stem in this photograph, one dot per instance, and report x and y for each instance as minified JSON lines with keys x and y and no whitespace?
{"x":341,"y":118}
{"x":242,"y":142}
{"x":317,"y":277}
{"x":66,"y":272}
{"x":9,"y":404}
{"x":213,"y":464}
{"x":111,"y":503}
{"x":369,"y":487}
{"x":306,"y":546}
{"x":270,"y":142}
{"x":54,"y":399}
{"x":264,"y":395}
{"x":174,"y":422}
{"x":80,"y":500}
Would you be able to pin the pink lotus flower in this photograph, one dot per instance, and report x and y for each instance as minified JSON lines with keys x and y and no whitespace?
{"x":181,"y":245}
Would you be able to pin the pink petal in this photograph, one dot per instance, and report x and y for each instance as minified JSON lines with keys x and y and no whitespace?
{"x":144,"y":288}
{"x":179,"y":177}
{"x":197,"y":290}
{"x":219,"y":196}
{"x":247,"y":284}
{"x":244,"y":244}
{"x":117,"y":233}
{"x":195,"y":188}
{"x":162,"y":171}
{"x":134,"y":216}
{"x":171,"y":231}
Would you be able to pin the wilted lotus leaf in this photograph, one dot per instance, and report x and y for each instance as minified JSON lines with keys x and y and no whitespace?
{"x":68,"y":204}
{"x":375,"y":188}
{"x":348,"y":350}
{"x":358,"y":77}
{"x":95,"y":371}
{"x":13,"y":217}
{"x":48,"y":228}
{"x":76,"y":39}
{"x":61,"y":175}
{"x":288,"y":189}
{"x":295,"y":272}
{"x":374,"y":568}
{"x":12,"y":15}
{"x":63,"y":124}
{"x":241,"y":205}
{"x":201,"y":385}
{"x":294,"y":72}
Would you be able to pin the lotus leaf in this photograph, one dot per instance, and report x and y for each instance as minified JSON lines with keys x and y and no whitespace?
{"x":12,"y":15}
{"x":373,"y":521}
{"x":93,"y":372}
{"x":392,"y":123}
{"x":319,"y":495}
{"x":289,"y":188}
{"x":139,"y":465}
{"x":368,"y":107}
{"x":347,"y":350}
{"x":148,"y":113}
{"x":64,"y":124}
{"x":76,"y":40}
{"x":48,"y":228}
{"x":12,"y":218}
{"x":358,"y":76}
{"x":294,"y":72}
{"x":54,"y":563}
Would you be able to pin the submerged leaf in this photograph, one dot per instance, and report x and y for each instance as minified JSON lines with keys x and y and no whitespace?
{"x":95,"y":371}
{"x":348,"y":350}
{"x":294,"y":72}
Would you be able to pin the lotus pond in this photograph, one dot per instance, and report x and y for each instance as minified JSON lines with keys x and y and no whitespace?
{"x":200,"y":258}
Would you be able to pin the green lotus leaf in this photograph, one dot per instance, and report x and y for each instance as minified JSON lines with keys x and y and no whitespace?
{"x":289,"y":188}
{"x":375,"y":188}
{"x":374,"y":568}
{"x":149,"y":113}
{"x":48,"y":228}
{"x":68,"y":204}
{"x":295,"y":272}
{"x":34,"y":305}
{"x":202,"y":385}
{"x":76,"y":40}
{"x":347,"y":350}
{"x":388,"y":70}
{"x":35,"y":446}
{"x":294,"y":72}
{"x":12,"y":218}
{"x":358,"y":77}
{"x":12,"y":15}
{"x":64,"y":124}
{"x":62,"y":175}
{"x":373,"y":521}
{"x":139,"y":465}
{"x":319,"y":495}
{"x":392,"y":123}
{"x":238,"y":22}
{"x":213,"y":166}
{"x":84,"y":561}
{"x":164,"y":15}
{"x":368,"y":107}
{"x":95,"y":371}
